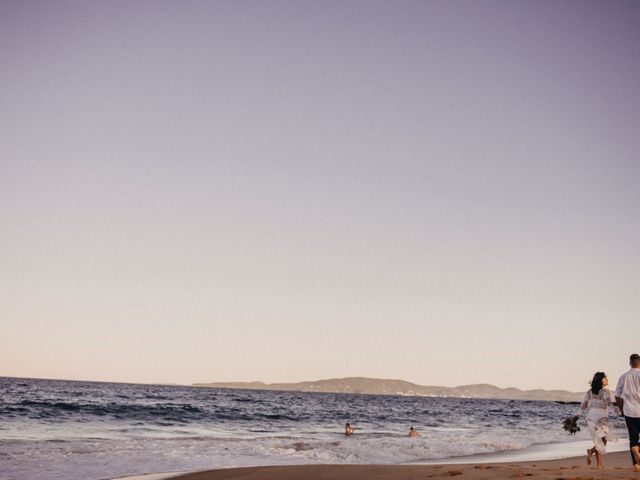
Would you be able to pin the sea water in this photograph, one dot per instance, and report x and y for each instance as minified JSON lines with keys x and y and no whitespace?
{"x":55,"y":430}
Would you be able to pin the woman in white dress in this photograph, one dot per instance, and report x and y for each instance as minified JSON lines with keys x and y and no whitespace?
{"x":595,"y":406}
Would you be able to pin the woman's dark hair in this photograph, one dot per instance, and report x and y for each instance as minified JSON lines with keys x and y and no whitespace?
{"x":596,"y":383}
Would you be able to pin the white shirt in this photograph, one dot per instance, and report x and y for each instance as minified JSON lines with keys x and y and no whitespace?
{"x":629,"y":390}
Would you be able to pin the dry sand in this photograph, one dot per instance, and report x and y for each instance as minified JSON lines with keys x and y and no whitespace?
{"x":617,"y":465}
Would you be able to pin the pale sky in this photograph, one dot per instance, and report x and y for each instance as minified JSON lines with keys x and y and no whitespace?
{"x":445,"y":192}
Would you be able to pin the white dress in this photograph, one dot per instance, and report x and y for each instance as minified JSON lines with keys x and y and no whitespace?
{"x":597,"y":408}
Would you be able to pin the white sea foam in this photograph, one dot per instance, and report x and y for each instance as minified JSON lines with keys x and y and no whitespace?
{"x":99,"y":459}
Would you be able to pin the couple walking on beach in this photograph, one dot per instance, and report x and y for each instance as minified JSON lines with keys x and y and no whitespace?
{"x":597,"y":402}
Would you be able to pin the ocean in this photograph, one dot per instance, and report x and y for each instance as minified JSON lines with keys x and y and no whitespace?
{"x":55,"y":430}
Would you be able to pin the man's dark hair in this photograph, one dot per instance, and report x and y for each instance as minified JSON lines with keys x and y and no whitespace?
{"x":634,"y":357}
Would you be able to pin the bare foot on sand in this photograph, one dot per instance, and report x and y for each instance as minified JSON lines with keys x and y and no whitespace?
{"x":589,"y":454}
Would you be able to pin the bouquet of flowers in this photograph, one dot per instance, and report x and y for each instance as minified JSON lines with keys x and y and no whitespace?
{"x":570,"y":424}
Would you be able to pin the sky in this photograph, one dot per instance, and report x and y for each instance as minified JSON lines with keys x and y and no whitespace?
{"x":445,"y":192}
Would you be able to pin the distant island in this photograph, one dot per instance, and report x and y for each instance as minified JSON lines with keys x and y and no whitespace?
{"x":378,"y":386}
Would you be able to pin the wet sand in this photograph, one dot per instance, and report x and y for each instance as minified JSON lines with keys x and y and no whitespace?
{"x":617,"y":466}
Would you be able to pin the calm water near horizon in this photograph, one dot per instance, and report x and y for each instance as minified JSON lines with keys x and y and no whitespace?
{"x":54,"y":429}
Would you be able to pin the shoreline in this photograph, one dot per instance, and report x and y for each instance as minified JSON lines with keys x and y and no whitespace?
{"x":617,"y":466}
{"x":566,"y":469}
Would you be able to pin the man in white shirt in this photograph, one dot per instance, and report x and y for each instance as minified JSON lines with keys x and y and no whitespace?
{"x":628,"y":397}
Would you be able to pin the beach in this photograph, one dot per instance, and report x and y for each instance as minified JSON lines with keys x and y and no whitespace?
{"x":62,"y":430}
{"x":617,"y":466}
{"x":298,"y":239}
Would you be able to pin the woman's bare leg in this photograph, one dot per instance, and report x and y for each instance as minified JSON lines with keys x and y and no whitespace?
{"x":589,"y":454}
{"x":599,"y":459}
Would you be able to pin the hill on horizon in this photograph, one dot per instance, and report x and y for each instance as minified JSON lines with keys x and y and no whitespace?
{"x":378,"y":386}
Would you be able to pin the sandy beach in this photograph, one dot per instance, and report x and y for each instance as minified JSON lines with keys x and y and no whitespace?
{"x":617,"y":466}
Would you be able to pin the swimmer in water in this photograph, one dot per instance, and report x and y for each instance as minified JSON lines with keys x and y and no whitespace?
{"x":348,"y":429}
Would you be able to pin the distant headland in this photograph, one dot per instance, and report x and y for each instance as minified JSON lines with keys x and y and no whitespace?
{"x":379,"y":386}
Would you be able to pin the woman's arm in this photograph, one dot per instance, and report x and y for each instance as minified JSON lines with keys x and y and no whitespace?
{"x":584,"y":406}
